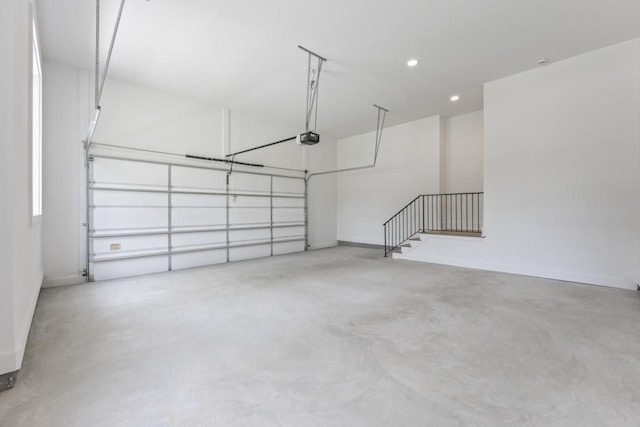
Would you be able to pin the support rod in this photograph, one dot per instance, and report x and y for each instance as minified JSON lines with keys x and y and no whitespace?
{"x":92,"y":128}
{"x":313,"y":83}
{"x":99,"y":81}
{"x":97,"y":68}
{"x":261,"y":146}
{"x":232,"y":162}
{"x":108,"y":61}
{"x":382,"y":114}
{"x":312,"y":53}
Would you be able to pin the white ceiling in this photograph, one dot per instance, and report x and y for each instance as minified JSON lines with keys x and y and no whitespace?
{"x":243,"y":54}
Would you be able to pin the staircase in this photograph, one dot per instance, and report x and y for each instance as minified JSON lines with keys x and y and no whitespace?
{"x":458,"y":214}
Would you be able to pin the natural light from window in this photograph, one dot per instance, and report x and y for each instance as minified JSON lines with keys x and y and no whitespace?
{"x":36,"y":124}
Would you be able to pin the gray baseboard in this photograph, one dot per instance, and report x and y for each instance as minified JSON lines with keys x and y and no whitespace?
{"x":8,"y":380}
{"x":360,"y":245}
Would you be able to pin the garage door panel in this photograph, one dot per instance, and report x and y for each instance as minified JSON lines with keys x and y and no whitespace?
{"x":198,"y":259}
{"x":134,"y":205}
{"x":129,"y":267}
{"x":106,"y":218}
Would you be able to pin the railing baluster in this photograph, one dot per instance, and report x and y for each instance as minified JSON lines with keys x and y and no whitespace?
{"x":396,"y":237}
{"x":473,"y":213}
{"x":477,"y":219}
{"x":406,"y":224}
{"x":423,"y":213}
{"x":384,"y":230}
{"x":449,"y":212}
{"x":438,"y":218}
{"x":448,"y":225}
{"x":478,"y":209}
{"x":466,"y":212}
{"x":460,"y":213}
{"x":443,"y":213}
{"x":408,"y":227}
{"x":434,"y":209}
{"x":410,"y":219}
{"x":429,"y":212}
{"x":456,"y":212}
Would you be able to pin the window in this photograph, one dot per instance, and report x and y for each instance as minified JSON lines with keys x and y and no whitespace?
{"x":36,"y":127}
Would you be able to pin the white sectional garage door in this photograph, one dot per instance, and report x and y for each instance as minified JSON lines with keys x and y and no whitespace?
{"x":149,"y":216}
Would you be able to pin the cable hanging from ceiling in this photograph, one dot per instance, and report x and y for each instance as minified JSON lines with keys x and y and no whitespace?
{"x":99,"y":79}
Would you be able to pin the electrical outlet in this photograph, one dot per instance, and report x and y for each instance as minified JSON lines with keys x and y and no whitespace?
{"x":115,"y":246}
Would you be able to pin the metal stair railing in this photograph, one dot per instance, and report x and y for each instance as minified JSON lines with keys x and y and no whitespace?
{"x":450,"y":213}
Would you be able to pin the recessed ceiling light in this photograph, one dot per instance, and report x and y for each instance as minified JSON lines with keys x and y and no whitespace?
{"x":412,"y":62}
{"x":543,"y":61}
{"x":455,"y":98}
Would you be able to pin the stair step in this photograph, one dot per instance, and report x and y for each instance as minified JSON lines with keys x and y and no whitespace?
{"x":454,"y":233}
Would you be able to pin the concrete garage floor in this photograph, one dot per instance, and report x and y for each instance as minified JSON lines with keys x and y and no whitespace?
{"x":338,"y":337}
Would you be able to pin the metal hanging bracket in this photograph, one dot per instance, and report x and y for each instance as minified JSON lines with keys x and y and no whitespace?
{"x":313,"y":83}
{"x":382,"y":115}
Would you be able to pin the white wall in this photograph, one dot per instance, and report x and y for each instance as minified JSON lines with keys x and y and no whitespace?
{"x":145,"y":118}
{"x":140,"y":117}
{"x":322,"y":196}
{"x":463,"y":156}
{"x":408,"y":165}
{"x":562,"y":182}
{"x":20,"y":265}
{"x":7,"y":356}
{"x":62,"y":174}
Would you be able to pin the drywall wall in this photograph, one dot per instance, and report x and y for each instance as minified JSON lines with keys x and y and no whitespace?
{"x":562,"y":182}
{"x":408,"y":165}
{"x":463,"y":154}
{"x":7,"y":355}
{"x":148,"y":119}
{"x":322,"y":195}
{"x":140,"y":117}
{"x":62,"y":174}
{"x":20,"y":268}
